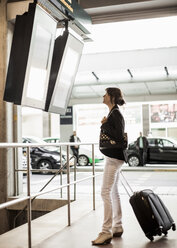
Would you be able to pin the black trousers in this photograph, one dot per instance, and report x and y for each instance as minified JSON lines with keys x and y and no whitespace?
{"x":143,"y":156}
{"x":75,"y":153}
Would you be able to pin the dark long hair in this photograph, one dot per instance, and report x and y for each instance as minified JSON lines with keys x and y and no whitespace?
{"x":116,"y":96}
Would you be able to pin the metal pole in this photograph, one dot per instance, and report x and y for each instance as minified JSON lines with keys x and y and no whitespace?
{"x":15,"y":172}
{"x":75,"y":163}
{"x":93,"y":172}
{"x":61,"y":173}
{"x":29,"y":200}
{"x":68,"y":187}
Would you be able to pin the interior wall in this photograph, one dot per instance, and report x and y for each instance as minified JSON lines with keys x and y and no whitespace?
{"x":46,"y":124}
{"x":3,"y":117}
{"x":146,"y":121}
{"x":65,"y":132}
{"x":158,"y":132}
{"x":55,"y":125}
{"x":41,"y":125}
{"x":172,"y":132}
{"x":32,"y":125}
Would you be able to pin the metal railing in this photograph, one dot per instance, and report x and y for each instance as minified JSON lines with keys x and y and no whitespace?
{"x":30,"y":196}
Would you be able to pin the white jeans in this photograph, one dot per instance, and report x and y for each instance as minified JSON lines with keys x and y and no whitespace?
{"x":110,"y":194}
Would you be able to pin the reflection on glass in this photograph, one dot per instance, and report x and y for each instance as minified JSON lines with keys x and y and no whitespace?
{"x":39,"y":62}
{"x":66,"y":77}
{"x":36,"y":83}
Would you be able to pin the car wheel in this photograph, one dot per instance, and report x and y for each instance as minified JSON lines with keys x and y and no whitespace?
{"x":44,"y":165}
{"x":83,"y":160}
{"x":133,"y":160}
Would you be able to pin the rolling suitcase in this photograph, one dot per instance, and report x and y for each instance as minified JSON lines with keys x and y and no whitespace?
{"x":151,"y":213}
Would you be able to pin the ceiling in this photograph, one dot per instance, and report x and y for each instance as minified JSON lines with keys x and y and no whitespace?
{"x":143,"y":74}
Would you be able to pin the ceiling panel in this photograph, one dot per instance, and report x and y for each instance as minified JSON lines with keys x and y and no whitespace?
{"x":85,"y":77}
{"x":162,"y":87}
{"x":100,"y":89}
{"x":172,"y":71}
{"x":149,"y":73}
{"x":143,"y":71}
{"x":102,"y":11}
{"x":78,"y":90}
{"x":102,"y":77}
{"x":84,"y":91}
{"x":134,"y":89}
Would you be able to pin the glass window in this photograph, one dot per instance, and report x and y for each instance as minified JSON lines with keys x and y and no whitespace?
{"x":151,"y":142}
{"x":160,"y":142}
{"x":167,"y":143}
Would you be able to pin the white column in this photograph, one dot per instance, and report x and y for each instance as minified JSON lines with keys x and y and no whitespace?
{"x":145,"y":119}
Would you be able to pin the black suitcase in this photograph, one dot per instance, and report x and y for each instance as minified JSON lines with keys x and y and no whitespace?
{"x":151,"y":213}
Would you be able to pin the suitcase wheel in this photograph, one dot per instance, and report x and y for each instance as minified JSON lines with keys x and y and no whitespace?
{"x":159,"y":231}
{"x":150,"y":237}
{"x":174,"y":227}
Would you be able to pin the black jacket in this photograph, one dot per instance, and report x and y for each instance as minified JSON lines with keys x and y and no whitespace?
{"x":72,"y":140}
{"x":114,"y":127}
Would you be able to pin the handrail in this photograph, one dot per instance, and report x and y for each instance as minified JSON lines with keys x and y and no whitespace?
{"x":30,"y":196}
{"x":57,"y":171}
{"x":12,"y":202}
{"x":13,"y":145}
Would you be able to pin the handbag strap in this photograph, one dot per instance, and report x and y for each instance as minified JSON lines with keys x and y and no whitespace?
{"x":112,"y":111}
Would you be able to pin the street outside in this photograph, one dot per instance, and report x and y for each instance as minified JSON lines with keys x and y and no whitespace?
{"x":162,"y":179}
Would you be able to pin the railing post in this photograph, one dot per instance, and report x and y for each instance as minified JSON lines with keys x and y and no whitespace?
{"x":68,"y":187}
{"x":61,"y":173}
{"x":15,"y":172}
{"x":93,"y":172}
{"x":29,"y":200}
{"x":75,"y":163}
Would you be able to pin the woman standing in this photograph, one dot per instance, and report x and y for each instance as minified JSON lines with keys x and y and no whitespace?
{"x":113,"y":125}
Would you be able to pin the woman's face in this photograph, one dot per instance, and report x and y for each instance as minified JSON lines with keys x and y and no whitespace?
{"x":106,"y":99}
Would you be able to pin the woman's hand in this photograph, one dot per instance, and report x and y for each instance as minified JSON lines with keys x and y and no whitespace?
{"x":104,"y":120}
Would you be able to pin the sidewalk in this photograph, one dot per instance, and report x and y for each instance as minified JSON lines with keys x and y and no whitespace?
{"x":80,"y":234}
{"x":148,"y":167}
{"x":51,"y":230}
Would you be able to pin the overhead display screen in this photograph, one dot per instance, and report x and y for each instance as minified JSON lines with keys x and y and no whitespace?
{"x":30,"y":58}
{"x":65,"y":78}
{"x":65,"y":63}
{"x":39,"y":64}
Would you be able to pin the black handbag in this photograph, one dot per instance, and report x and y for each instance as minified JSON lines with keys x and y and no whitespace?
{"x":106,"y":141}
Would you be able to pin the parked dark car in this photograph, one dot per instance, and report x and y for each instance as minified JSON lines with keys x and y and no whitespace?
{"x":42,"y":158}
{"x":160,"y":150}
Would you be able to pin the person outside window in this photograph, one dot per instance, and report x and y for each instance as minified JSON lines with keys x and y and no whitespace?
{"x":142,"y":145}
{"x":75,"y":149}
{"x":113,"y":125}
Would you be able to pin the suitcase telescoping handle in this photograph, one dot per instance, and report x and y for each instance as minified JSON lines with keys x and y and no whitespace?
{"x":126,"y":185}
